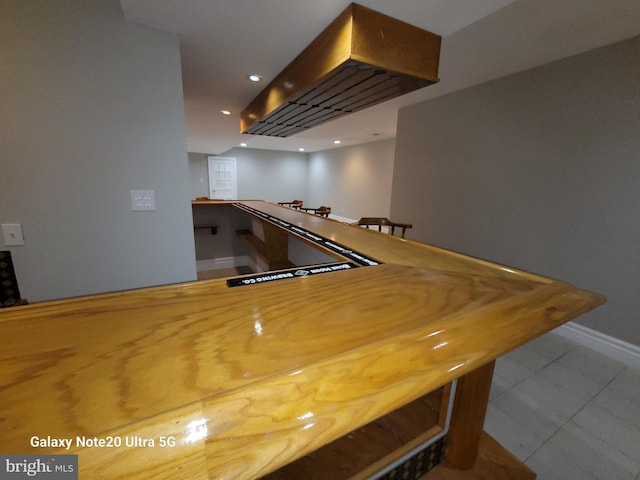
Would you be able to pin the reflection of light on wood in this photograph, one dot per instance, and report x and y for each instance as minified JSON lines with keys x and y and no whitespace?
{"x":196,"y":430}
{"x":455,"y":367}
{"x":257,"y":327}
{"x":440,"y":345}
{"x":306,"y":418}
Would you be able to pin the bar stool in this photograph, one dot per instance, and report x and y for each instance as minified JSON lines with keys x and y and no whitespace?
{"x":295,"y":204}
{"x":322,"y":210}
{"x":384,"y":222}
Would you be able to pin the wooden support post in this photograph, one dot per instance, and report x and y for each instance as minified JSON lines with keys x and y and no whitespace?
{"x":277,"y":245}
{"x":467,"y":420}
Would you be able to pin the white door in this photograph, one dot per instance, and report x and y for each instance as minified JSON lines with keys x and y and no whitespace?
{"x":222,"y":178}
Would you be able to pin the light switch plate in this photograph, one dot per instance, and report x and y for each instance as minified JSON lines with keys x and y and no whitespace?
{"x":143,"y":200}
{"x":12,"y":234}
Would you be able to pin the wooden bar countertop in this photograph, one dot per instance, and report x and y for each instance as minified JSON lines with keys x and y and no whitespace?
{"x":199,"y":380}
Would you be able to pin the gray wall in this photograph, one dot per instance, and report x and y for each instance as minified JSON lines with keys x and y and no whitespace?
{"x":271,"y":175}
{"x":91,"y":108}
{"x":198,"y":175}
{"x":354,"y":181}
{"x":538,"y":170}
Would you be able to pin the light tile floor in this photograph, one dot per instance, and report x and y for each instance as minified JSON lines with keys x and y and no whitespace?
{"x":567,"y":411}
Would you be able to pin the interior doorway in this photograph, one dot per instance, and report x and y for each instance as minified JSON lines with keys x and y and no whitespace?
{"x":222,"y":178}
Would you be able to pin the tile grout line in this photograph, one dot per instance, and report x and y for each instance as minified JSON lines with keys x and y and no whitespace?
{"x":572,"y":348}
{"x":596,"y":436}
{"x":545,"y":440}
{"x":534,"y":372}
{"x":575,"y":414}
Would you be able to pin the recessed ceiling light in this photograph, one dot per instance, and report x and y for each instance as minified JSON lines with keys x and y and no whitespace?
{"x":336,"y":142}
{"x":301,"y":149}
{"x":225,"y":112}
{"x":254,"y":78}
{"x":243,"y":144}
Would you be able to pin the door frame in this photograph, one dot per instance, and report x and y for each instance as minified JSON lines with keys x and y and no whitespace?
{"x":211,"y":167}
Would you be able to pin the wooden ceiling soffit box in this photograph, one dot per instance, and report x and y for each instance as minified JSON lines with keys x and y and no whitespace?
{"x":361,"y":59}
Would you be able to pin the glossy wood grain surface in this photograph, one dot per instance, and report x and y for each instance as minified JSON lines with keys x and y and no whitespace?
{"x":248,"y":379}
{"x":385,"y":248}
{"x":368,"y":449}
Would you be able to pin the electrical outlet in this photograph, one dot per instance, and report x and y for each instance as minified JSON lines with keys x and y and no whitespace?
{"x":143,"y":200}
{"x":12,"y":233}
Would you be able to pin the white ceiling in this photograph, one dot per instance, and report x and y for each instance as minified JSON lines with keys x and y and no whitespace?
{"x":222,"y":41}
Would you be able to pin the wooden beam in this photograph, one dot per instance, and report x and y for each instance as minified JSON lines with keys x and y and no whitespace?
{"x":467,"y":419}
{"x":362,"y":58}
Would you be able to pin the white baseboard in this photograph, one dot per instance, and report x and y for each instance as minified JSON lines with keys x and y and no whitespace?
{"x":220,"y":263}
{"x":255,"y":267}
{"x":612,"y":347}
{"x":342,"y":219}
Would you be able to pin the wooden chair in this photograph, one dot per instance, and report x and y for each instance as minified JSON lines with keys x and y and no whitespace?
{"x":321,"y":210}
{"x":294,"y":204}
{"x":384,"y":222}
